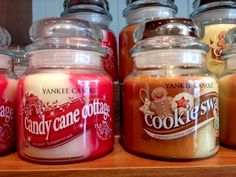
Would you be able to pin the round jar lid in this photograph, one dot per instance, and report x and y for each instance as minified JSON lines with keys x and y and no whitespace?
{"x":169,"y":33}
{"x":5,"y":41}
{"x":5,"y":38}
{"x":210,"y":5}
{"x":93,"y":6}
{"x":136,"y":4}
{"x":65,"y":33}
{"x":87,"y":8}
{"x":100,"y":3}
{"x":198,"y":3}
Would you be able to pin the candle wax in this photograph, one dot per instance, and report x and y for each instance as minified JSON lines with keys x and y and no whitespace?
{"x":171,"y":117}
{"x":65,"y":116}
{"x":227,"y":88}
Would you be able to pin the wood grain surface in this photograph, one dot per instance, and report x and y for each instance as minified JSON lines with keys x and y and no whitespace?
{"x":120,"y":163}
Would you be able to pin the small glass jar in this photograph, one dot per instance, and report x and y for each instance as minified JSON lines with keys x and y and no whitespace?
{"x":217,"y":17}
{"x":7,"y":96}
{"x":20,"y":61}
{"x":135,"y":13}
{"x":227,"y":92}
{"x":170,"y":99}
{"x":97,"y":12}
{"x":65,"y":97}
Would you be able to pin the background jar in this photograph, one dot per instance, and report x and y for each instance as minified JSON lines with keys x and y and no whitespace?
{"x":20,"y":61}
{"x":97,"y":12}
{"x":217,"y":17}
{"x":135,"y":13}
{"x":7,"y":96}
{"x":165,"y":97}
{"x":227,"y":92}
{"x":65,"y":97}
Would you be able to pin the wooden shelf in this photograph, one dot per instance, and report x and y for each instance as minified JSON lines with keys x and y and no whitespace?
{"x":120,"y":163}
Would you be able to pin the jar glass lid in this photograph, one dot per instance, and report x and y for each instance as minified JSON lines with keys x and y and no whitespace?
{"x":136,"y":4}
{"x":213,"y":3}
{"x":5,"y":41}
{"x":65,"y":33}
{"x":5,"y":38}
{"x":95,"y":6}
{"x":73,"y":3}
{"x":208,"y":5}
{"x":87,"y":8}
{"x":169,"y":33}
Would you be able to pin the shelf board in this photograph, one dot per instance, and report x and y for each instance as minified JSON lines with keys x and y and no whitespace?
{"x":120,"y":163}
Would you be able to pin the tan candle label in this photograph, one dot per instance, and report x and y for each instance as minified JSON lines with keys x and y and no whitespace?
{"x":214,"y":37}
{"x":167,"y":118}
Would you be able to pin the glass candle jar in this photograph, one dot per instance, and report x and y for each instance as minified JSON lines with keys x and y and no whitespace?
{"x":97,"y":12}
{"x":65,"y":98}
{"x":227,"y":90}
{"x":170,"y":99}
{"x":20,"y":61}
{"x":7,"y":96}
{"x":217,"y":17}
{"x":135,"y":13}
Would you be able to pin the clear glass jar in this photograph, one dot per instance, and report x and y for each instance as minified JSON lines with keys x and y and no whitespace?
{"x":135,"y":13}
{"x":170,"y":98}
{"x":7,"y":97}
{"x":227,"y":92}
{"x":65,"y":97}
{"x":97,"y":12}
{"x":20,"y":61}
{"x":217,"y":17}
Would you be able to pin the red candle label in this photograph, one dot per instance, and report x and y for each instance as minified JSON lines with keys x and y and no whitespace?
{"x":65,"y":115}
{"x":51,"y":124}
{"x":110,"y":60}
{"x":7,"y":123}
{"x":167,"y":118}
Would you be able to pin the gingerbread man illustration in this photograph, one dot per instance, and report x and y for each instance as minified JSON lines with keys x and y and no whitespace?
{"x":161,"y":103}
